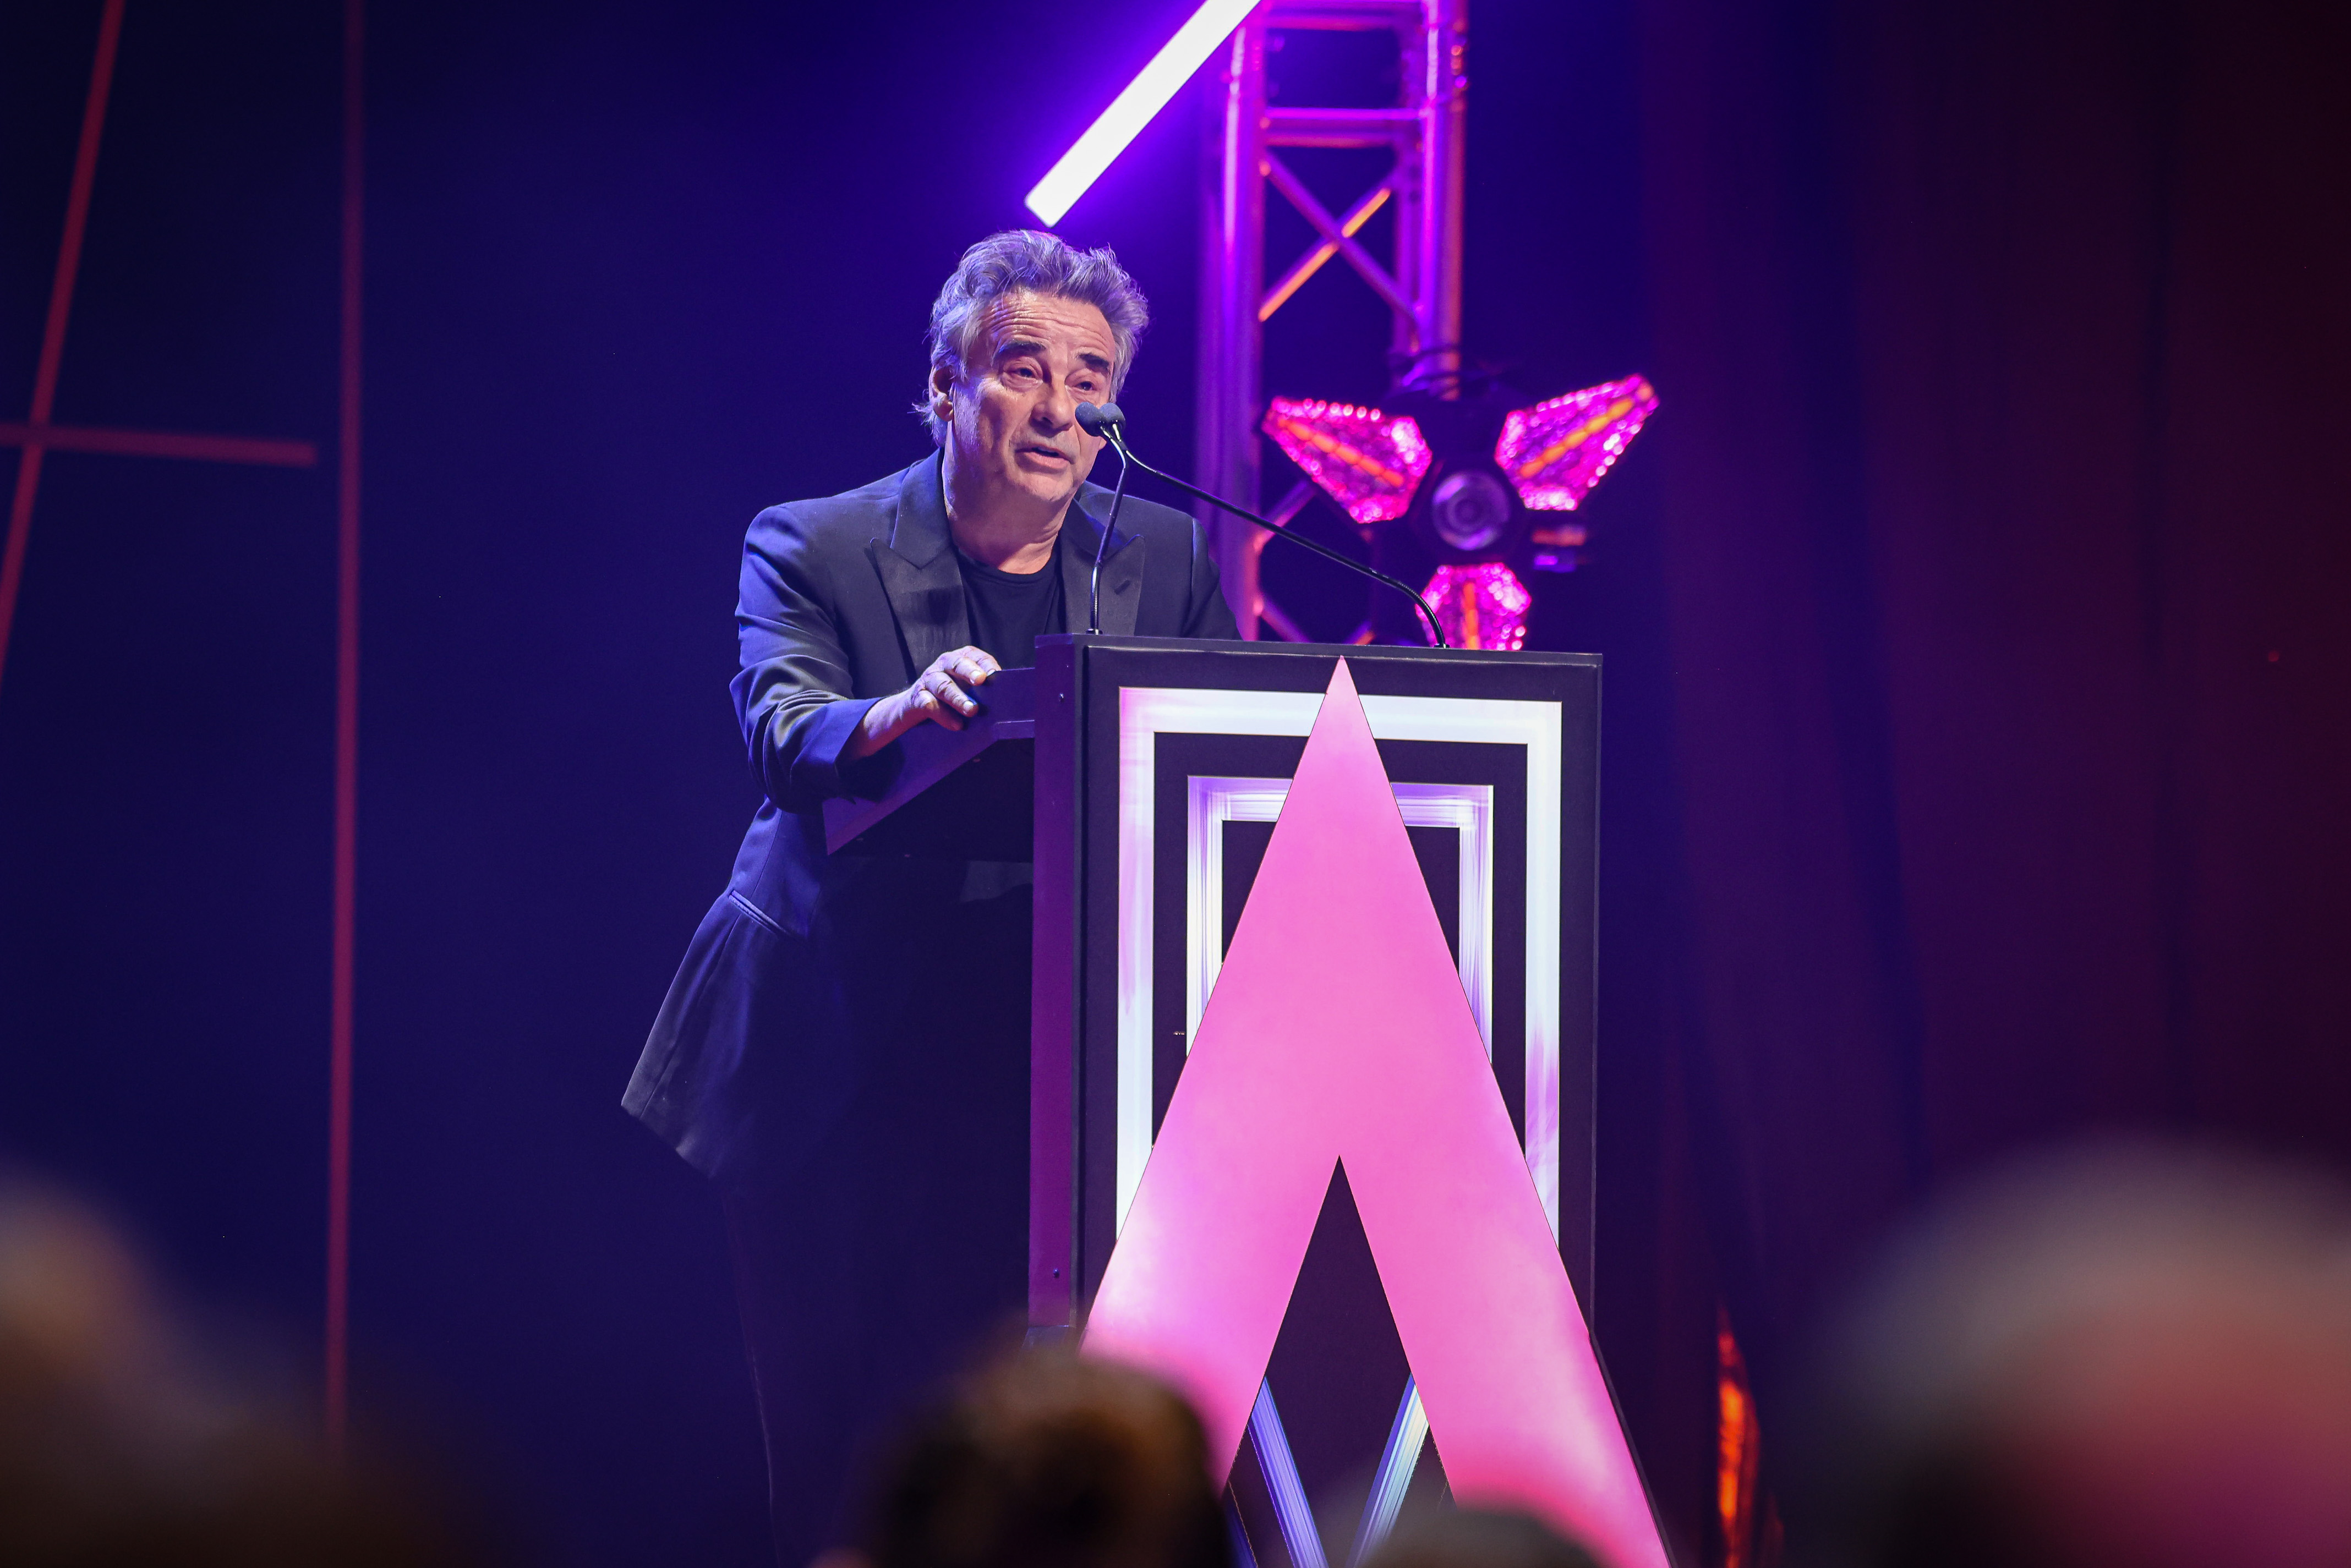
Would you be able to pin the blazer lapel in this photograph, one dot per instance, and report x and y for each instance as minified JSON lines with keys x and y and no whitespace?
{"x":1122,"y":568}
{"x":918,"y":570}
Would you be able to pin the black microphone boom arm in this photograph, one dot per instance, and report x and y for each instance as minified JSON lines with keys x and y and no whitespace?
{"x":1109,"y":423}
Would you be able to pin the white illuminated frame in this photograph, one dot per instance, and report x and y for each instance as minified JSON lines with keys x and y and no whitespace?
{"x":1468,"y":809}
{"x":1145,"y":712}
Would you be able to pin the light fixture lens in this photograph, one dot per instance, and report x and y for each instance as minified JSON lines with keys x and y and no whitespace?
{"x":1556,"y":451}
{"x":1484,"y":605}
{"x":1470,"y":510}
{"x":1367,"y":461}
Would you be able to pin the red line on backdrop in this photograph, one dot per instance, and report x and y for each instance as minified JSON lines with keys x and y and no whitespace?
{"x":161,"y":444}
{"x":347,"y":747}
{"x":53,"y":334}
{"x":37,"y":436}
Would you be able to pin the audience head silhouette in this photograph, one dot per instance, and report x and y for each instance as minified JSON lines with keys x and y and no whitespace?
{"x":126,"y":1443}
{"x":1474,"y":1538}
{"x":2122,"y":1358}
{"x":1046,"y":1460}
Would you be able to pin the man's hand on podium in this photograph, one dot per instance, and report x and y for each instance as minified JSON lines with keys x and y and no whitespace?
{"x":938,"y":696}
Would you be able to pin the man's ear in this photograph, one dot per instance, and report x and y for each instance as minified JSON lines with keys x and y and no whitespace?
{"x":942,"y":389}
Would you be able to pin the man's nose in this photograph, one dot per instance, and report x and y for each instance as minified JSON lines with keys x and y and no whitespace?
{"x":1057,"y":408}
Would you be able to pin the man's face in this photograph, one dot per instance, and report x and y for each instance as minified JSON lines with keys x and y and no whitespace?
{"x":1012,"y":418}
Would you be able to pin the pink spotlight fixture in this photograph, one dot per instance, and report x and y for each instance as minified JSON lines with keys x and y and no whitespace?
{"x":1483,"y":606}
{"x":1368,"y":462}
{"x":1554,"y":452}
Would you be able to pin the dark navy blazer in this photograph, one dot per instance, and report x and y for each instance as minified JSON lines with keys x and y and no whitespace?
{"x":845,"y":600}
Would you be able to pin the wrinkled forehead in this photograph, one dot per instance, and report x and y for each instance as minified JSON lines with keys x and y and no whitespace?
{"x":1064,"y":329}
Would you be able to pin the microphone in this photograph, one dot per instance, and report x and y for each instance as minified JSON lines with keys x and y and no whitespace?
{"x":1108,"y":420}
{"x":1093,"y":420}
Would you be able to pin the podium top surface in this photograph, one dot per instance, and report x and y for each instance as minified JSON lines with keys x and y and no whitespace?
{"x":1379,"y":669}
{"x":1365,"y":652}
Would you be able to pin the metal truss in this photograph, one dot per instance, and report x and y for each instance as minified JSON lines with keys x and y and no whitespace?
{"x":1420,"y":284}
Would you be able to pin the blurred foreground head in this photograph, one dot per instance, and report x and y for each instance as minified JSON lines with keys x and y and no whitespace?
{"x":120,"y":1444}
{"x":2126,"y":1358}
{"x":1047,"y":1461}
{"x":1473,"y":1538}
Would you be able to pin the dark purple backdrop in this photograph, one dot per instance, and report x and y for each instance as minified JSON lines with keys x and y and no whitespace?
{"x":1977,"y":692}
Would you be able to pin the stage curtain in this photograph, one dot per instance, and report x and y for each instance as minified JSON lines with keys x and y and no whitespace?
{"x":2004,"y":354}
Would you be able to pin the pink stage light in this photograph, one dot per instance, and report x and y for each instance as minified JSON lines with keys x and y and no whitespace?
{"x":1554,"y":452}
{"x":1484,"y":605}
{"x":1132,"y":109}
{"x":1366,"y":460}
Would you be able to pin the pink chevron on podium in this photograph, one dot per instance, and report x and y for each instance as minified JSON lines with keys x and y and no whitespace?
{"x":1338,"y":1032}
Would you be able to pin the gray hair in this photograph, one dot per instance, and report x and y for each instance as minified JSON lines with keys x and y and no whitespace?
{"x":1023,"y":261}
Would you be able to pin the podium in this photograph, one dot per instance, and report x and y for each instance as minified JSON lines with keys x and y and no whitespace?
{"x":1157,"y":772}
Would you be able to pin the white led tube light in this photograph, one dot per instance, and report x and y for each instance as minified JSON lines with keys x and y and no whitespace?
{"x":1132,"y":109}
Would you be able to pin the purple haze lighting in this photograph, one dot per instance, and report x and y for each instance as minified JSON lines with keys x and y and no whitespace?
{"x":1554,"y":452}
{"x":1366,"y":460}
{"x":1132,"y":109}
{"x":1484,"y":605}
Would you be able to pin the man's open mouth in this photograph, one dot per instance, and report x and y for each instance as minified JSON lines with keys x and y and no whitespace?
{"x":1056,"y":453}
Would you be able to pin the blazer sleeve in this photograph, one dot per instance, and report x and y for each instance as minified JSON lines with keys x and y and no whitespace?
{"x":794,"y":695}
{"x":1208,"y":615}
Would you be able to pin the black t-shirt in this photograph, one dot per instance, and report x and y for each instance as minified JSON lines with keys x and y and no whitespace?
{"x":1010,"y":610}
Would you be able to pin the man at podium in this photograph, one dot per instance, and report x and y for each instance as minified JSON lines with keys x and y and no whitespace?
{"x":845,"y":1047}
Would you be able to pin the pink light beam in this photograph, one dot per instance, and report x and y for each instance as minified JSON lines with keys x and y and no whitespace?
{"x":1134,"y":109}
{"x":1348,"y":1040}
